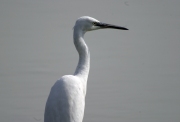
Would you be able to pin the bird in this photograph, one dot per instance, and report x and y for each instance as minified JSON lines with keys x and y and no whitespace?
{"x":66,"y":100}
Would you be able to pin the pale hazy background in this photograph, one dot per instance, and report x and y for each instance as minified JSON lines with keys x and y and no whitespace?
{"x":134,"y":75}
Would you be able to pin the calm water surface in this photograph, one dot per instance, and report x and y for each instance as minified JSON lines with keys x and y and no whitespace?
{"x":134,"y":75}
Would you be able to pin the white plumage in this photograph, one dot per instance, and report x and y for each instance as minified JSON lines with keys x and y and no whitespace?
{"x":66,"y":101}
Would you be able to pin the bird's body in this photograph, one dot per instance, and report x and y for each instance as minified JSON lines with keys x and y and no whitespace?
{"x":66,"y":101}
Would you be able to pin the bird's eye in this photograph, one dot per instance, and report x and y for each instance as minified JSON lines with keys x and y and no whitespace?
{"x":94,"y":23}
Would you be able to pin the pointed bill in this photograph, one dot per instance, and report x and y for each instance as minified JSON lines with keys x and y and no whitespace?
{"x":105,"y":25}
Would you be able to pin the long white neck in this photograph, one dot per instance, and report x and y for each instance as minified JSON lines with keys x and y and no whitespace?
{"x":82,"y":69}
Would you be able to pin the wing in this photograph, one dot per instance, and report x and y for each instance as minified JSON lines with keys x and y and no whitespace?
{"x":66,"y":101}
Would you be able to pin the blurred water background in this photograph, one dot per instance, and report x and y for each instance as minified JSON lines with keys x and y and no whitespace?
{"x":134,"y":75}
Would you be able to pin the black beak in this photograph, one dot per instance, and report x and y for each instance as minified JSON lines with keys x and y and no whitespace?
{"x":104,"y":25}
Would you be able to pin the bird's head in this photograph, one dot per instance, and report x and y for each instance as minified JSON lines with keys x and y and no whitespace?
{"x":87,"y":23}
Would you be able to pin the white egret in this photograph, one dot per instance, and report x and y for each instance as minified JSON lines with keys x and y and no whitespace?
{"x":66,"y":101}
